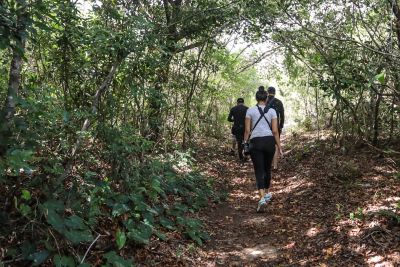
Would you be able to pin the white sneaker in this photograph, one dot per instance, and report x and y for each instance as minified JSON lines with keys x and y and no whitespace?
{"x":268,"y":197}
{"x":261,"y":204}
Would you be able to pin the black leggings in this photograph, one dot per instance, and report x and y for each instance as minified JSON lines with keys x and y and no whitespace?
{"x":262,"y":153}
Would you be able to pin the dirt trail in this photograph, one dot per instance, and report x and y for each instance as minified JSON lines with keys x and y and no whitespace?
{"x":307,"y":223}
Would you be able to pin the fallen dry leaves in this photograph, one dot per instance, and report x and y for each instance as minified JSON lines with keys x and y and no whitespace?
{"x":324,"y":211}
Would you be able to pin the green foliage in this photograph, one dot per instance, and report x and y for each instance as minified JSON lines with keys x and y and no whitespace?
{"x":22,"y":204}
{"x":25,"y":195}
{"x":358,"y":215}
{"x":149,"y":196}
{"x":306,"y":124}
{"x":72,"y":227}
{"x":380,"y":78}
{"x":63,"y":261}
{"x":38,"y":258}
{"x":339,"y":208}
{"x":18,"y":160}
{"x":114,"y":260}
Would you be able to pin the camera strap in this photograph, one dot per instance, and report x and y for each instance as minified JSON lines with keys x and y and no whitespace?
{"x":255,"y":126}
{"x":262,"y":114}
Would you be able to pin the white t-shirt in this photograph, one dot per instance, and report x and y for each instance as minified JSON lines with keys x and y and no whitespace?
{"x":262,"y":128}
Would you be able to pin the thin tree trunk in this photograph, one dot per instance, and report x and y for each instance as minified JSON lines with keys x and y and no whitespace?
{"x":194,"y":82}
{"x":96,"y":102}
{"x":317,"y":111}
{"x":14,"y":81}
{"x":13,"y":85}
{"x":95,"y":106}
{"x":392,"y":120}
{"x":396,"y":12}
{"x":376,"y":118}
{"x":156,"y":99}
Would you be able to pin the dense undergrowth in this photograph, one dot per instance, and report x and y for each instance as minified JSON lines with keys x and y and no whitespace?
{"x":118,"y":196}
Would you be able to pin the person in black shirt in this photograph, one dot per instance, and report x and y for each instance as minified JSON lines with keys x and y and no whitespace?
{"x":237,"y":115}
{"x":280,"y":111}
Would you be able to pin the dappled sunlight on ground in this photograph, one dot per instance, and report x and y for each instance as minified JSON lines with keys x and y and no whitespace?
{"x":325,"y":211}
{"x":260,"y":251}
{"x":295,"y":184}
{"x":256,"y":220}
{"x":354,"y":232}
{"x":312,"y":232}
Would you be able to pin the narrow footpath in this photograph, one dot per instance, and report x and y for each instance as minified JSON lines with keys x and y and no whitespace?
{"x":324,"y":211}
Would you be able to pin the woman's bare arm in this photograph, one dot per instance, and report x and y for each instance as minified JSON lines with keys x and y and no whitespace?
{"x":275,"y":132}
{"x":247,"y":125}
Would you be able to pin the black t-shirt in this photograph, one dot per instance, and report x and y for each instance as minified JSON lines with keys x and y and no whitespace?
{"x":280,"y":111}
{"x":237,"y":115}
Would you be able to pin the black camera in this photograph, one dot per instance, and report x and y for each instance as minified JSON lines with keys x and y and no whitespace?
{"x":246,"y":149}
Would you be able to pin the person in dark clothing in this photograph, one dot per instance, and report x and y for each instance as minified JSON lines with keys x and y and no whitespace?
{"x":237,"y":115}
{"x":276,"y":104}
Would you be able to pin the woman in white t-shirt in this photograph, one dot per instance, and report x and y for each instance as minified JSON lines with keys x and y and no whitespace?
{"x":261,"y":127}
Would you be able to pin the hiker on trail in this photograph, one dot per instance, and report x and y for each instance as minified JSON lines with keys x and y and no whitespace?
{"x":237,"y":116}
{"x":261,"y":136}
{"x":276,"y":104}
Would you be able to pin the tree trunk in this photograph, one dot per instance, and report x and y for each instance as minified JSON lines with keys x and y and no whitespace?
{"x":396,"y":12}
{"x":376,"y":118}
{"x":156,"y":98}
{"x":392,"y":111}
{"x":317,"y":111}
{"x":171,"y":9}
{"x":195,"y":79}
{"x":14,"y":81}
{"x":95,"y":106}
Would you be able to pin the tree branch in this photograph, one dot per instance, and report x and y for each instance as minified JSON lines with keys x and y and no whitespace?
{"x":258,"y":59}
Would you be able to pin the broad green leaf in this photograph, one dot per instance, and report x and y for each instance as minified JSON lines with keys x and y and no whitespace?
{"x":167,"y":223}
{"x":181,"y":207}
{"x":49,"y":245}
{"x":380,"y":77}
{"x":25,"y":194}
{"x":120,"y":238}
{"x":56,"y":221}
{"x":117,"y":261}
{"x":53,"y":205}
{"x":24,"y":209}
{"x":65,"y":116}
{"x":195,"y":237}
{"x":119,"y":209}
{"x":75,"y":222}
{"x":77,"y":237}
{"x":27,"y":249}
{"x":160,"y":235}
{"x":64,"y":261}
{"x":39,"y":257}
{"x":155,"y":185}
{"x":193,"y":223}
{"x":142,"y":234}
{"x":148,"y":218}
